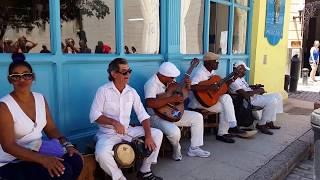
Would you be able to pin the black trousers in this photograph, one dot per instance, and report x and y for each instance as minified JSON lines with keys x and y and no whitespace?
{"x":33,"y":171}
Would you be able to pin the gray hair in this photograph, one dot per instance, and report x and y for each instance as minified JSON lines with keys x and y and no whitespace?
{"x":114,"y":66}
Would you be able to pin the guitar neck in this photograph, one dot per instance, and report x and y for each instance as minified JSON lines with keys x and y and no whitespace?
{"x":186,"y":75}
{"x":229,"y":76}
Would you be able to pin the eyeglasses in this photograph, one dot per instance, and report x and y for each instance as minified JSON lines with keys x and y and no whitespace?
{"x":18,"y":77}
{"x":214,"y":62}
{"x":125,"y":73}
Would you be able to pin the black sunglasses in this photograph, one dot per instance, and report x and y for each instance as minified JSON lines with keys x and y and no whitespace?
{"x":18,"y":77}
{"x":129,"y":71}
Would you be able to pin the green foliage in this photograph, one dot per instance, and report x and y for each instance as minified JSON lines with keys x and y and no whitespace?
{"x":71,"y":9}
{"x":28,"y":14}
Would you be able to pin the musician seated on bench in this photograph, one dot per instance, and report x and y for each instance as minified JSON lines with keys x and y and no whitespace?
{"x":201,"y":82}
{"x":157,"y":85}
{"x":111,"y":109}
{"x":270,"y":102}
{"x":245,"y":112}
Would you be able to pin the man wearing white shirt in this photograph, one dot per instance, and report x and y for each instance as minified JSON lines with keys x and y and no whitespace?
{"x":111,"y":109}
{"x":271,"y":102}
{"x":201,"y":82}
{"x":158,"y":84}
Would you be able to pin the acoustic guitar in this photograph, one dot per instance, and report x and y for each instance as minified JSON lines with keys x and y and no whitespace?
{"x":174,"y":112}
{"x":210,"y":97}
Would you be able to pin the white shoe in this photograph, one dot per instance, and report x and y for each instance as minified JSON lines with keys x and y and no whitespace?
{"x":198,"y":152}
{"x":176,"y":155}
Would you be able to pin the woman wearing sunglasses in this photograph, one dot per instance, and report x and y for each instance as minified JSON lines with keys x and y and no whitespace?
{"x":24,"y":115}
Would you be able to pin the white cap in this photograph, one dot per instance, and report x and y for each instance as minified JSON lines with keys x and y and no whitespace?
{"x":169,"y":69}
{"x":238,"y":63}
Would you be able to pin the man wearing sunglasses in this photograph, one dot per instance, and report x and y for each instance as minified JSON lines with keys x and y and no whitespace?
{"x":111,"y":109}
{"x":201,"y":82}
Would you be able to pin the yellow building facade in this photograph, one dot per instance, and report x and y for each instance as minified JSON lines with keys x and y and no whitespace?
{"x":268,"y":62}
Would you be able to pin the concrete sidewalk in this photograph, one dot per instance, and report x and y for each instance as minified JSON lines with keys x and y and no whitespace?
{"x":263,"y":157}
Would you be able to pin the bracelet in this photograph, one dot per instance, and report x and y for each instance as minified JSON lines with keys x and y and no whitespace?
{"x":67,"y":144}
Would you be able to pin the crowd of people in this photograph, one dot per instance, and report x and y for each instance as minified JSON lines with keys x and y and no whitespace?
{"x":24,"y":45}
{"x":25,"y":114}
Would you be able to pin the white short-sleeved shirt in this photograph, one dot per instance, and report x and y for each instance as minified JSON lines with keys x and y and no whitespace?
{"x":113,"y":104}
{"x":151,"y":88}
{"x":239,"y":83}
{"x":201,"y":74}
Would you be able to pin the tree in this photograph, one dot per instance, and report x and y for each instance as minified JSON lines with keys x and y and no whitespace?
{"x":29,"y":14}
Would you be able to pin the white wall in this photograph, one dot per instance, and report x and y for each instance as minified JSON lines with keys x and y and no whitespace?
{"x":295,"y":26}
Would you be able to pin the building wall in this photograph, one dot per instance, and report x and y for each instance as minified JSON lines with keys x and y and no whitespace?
{"x":268,"y":62}
{"x":295,"y":25}
{"x":295,"y":31}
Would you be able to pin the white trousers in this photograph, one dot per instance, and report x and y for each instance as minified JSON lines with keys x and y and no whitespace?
{"x":227,"y":116}
{"x":104,"y":153}
{"x":272,"y":104}
{"x":189,"y":119}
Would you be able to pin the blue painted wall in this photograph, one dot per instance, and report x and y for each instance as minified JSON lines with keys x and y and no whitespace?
{"x":69,"y":82}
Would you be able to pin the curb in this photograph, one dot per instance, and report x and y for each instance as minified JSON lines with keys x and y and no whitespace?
{"x":283,"y":163}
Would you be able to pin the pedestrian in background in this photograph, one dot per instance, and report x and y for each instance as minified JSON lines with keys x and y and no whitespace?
{"x":314,"y":59}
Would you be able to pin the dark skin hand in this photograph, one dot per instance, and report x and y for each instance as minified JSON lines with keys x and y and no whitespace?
{"x":163,"y":101}
{"x":248,"y":94}
{"x":207,"y":85}
{"x":203,"y":86}
{"x":187,"y":82}
{"x":169,"y":97}
{"x":174,"y":87}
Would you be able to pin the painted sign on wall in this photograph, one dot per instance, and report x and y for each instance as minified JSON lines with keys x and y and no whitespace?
{"x":274,"y":21}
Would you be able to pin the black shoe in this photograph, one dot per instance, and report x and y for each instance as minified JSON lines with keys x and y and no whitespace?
{"x":225,"y":138}
{"x":270,"y":125}
{"x":228,"y":135}
{"x":264,"y":129}
{"x":147,"y":176}
{"x":236,"y":131}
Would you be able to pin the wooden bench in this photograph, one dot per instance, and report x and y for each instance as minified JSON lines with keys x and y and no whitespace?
{"x":91,"y":169}
{"x":210,"y":119}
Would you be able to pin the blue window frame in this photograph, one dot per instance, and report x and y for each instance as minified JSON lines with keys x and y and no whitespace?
{"x":229,"y":58}
{"x":119,"y":33}
{"x":70,"y":81}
